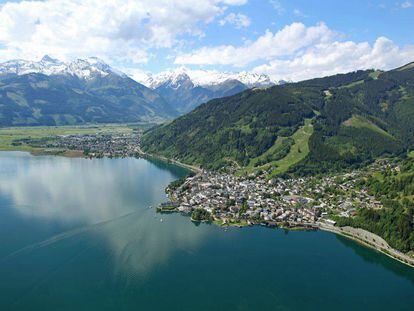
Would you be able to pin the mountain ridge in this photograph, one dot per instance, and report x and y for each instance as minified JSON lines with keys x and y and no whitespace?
{"x":52,"y":92}
{"x":205,"y":78}
{"x":182,"y":89}
{"x":355,"y":117}
{"x":185,"y":89}
{"x":87,"y":68}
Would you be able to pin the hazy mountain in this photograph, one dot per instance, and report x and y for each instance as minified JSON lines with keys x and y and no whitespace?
{"x":53,"y":92}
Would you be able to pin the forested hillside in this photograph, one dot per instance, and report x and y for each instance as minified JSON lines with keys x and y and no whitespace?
{"x":236,"y":128}
{"x":51,"y":92}
{"x":355,"y":118}
{"x":395,"y":222}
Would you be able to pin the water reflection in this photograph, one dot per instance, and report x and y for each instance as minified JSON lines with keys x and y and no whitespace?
{"x":374,"y":257}
{"x":106,"y":197}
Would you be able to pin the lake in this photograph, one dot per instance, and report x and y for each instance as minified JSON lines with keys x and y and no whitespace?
{"x":78,"y":234}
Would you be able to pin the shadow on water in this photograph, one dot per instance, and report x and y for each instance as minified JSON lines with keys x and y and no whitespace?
{"x":374,"y":257}
{"x":163,"y":165}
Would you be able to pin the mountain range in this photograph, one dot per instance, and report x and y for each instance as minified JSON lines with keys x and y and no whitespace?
{"x":53,"y":92}
{"x":306,"y":127}
{"x":185,"y":89}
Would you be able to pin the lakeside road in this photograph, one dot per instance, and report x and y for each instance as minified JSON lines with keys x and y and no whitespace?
{"x":370,"y":240}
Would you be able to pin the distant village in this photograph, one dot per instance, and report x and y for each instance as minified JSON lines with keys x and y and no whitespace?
{"x":96,"y":145}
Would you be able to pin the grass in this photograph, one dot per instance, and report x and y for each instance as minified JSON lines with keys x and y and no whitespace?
{"x":374,"y":75}
{"x":411,"y":154}
{"x":352,"y":84}
{"x":9,"y":134}
{"x":272,"y":150}
{"x":360,"y":122}
{"x":298,"y":151}
{"x":378,"y":176}
{"x":328,"y":94}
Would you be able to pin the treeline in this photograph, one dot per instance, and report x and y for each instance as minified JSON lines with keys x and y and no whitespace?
{"x":394,"y":223}
{"x":336,"y":80}
{"x":236,"y":128}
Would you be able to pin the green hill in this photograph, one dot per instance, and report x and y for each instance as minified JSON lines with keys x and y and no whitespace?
{"x":38,"y":99}
{"x":236,"y":128}
{"x":353,"y":118}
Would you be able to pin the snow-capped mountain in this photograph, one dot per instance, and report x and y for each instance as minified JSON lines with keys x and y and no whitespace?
{"x":205,"y":78}
{"x":173,"y":79}
{"x":185,"y":89}
{"x":87,"y":68}
{"x":77,"y":92}
{"x":155,"y":97}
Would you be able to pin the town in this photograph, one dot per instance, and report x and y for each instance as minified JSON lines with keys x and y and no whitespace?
{"x":228,"y":199}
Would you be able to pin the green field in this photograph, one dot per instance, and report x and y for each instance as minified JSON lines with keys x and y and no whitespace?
{"x":10,"y":134}
{"x":271,"y":152}
{"x":374,"y":75}
{"x":361,"y":122}
{"x":298,"y":151}
{"x":352,"y":84}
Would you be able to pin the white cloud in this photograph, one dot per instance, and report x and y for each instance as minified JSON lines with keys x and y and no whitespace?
{"x":338,"y":57}
{"x":137,"y":74}
{"x":299,"y":13}
{"x":277,"y":5}
{"x":297,"y":52}
{"x":129,"y":32}
{"x":238,"y":20}
{"x":110,"y":29}
{"x":288,"y":40}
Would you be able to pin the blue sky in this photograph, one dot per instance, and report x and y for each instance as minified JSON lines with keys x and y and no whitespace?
{"x":356,"y":20}
{"x":285,"y":39}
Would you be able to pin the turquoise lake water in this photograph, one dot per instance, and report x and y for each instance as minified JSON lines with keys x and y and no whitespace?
{"x":78,"y":234}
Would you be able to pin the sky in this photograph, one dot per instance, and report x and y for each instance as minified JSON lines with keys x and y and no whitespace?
{"x":290,"y":40}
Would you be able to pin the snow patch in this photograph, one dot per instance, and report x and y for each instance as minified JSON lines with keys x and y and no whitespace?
{"x":204,"y":78}
{"x":88,"y":68}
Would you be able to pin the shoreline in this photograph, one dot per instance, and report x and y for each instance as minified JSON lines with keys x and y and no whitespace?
{"x":371,"y":240}
{"x":49,"y":152}
{"x":194,"y":169}
{"x":384,"y":249}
